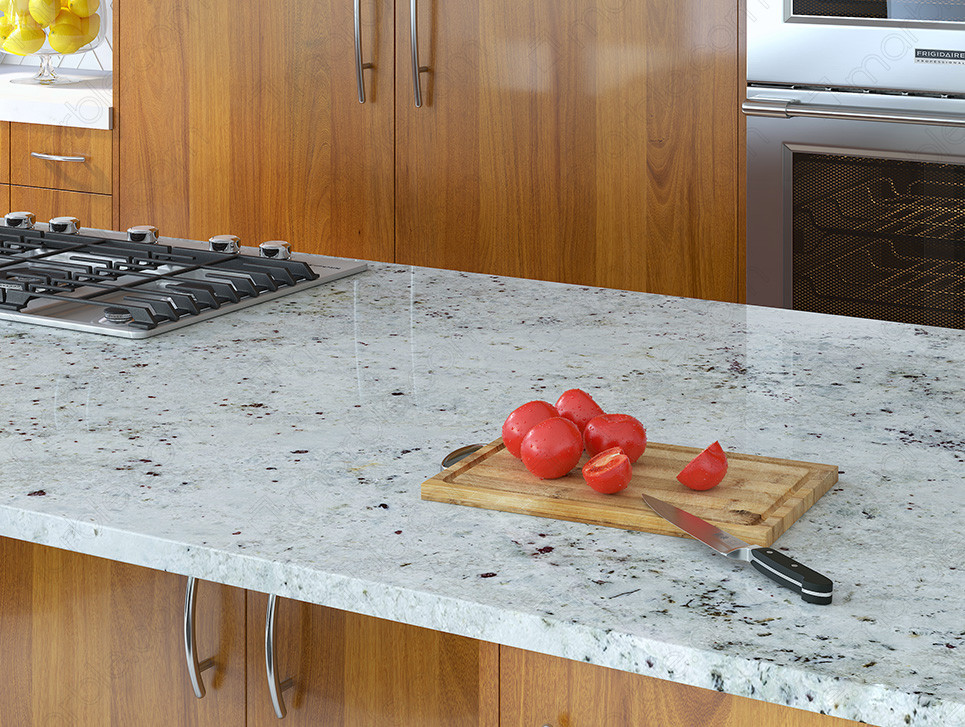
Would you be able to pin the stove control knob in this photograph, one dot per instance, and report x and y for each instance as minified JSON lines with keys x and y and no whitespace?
{"x":20,"y":220}
{"x":230,"y":244}
{"x":65,"y":225}
{"x":275,"y":249}
{"x":143,"y":233}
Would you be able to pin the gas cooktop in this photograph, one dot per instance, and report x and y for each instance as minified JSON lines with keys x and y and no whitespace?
{"x":136,"y":286}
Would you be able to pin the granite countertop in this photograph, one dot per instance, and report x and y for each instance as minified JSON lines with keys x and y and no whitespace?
{"x":282,"y":448}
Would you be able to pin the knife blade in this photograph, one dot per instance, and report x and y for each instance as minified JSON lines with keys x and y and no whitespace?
{"x":813,"y":587}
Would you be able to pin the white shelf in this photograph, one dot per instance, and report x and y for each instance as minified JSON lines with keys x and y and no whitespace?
{"x":87,"y":104}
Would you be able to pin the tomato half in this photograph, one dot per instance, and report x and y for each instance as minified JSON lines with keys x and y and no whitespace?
{"x":706,"y":470}
{"x":615,"y":430}
{"x":577,"y":406}
{"x":552,"y":448}
{"x":524,"y":418}
{"x":608,"y":472}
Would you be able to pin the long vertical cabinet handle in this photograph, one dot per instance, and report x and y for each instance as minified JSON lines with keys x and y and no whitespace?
{"x":275,"y":687}
{"x":190,"y":647}
{"x":416,"y":68}
{"x":359,"y":66}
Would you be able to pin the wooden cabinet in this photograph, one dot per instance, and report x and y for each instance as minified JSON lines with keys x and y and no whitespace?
{"x":86,"y":641}
{"x":592,"y":142}
{"x":537,"y":690}
{"x":246,"y":120}
{"x":4,"y":152}
{"x":57,"y":171}
{"x":352,"y":670}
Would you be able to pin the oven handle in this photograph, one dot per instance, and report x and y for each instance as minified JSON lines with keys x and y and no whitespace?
{"x":786,"y":109}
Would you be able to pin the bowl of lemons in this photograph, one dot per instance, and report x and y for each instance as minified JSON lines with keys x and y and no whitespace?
{"x":49,"y":29}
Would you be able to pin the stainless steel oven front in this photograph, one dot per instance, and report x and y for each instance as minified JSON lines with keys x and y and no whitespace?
{"x":899,"y":45}
{"x":856,"y":204}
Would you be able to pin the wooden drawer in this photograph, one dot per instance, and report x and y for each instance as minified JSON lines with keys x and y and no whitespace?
{"x":93,"y":174}
{"x":4,"y":151}
{"x":93,"y":210}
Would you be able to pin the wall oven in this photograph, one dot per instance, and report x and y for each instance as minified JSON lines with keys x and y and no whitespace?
{"x":856,"y":158}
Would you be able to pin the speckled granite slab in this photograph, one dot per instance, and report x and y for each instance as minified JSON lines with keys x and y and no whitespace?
{"x":282,"y":448}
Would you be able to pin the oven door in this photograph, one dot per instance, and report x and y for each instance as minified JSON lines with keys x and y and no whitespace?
{"x":903,"y":45}
{"x":857,"y":217}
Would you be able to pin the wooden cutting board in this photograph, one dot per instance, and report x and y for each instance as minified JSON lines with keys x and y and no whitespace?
{"x":758,"y":499}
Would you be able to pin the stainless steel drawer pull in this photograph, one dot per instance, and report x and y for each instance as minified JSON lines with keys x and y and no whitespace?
{"x":359,"y":66}
{"x":416,"y":68}
{"x":275,"y":687}
{"x":57,"y":157}
{"x":786,"y":109}
{"x":190,"y":647}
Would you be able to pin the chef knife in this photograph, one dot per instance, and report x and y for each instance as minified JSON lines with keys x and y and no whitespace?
{"x":813,"y":587}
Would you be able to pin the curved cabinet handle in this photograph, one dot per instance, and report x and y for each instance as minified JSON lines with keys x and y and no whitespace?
{"x":275,"y":687}
{"x":359,"y":66}
{"x":190,"y":648}
{"x":57,"y":157}
{"x":416,"y":68}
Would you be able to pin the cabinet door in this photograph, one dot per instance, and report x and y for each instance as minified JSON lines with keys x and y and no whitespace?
{"x":4,"y":152}
{"x":91,"y":642}
{"x":93,"y":210}
{"x":589,"y":142}
{"x":537,"y":690}
{"x":244,"y":118}
{"x":356,"y":671}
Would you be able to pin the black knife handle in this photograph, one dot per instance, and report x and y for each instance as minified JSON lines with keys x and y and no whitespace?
{"x":813,"y":587}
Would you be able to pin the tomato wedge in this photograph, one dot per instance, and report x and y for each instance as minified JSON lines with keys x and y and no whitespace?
{"x":552,"y":448}
{"x":706,"y":470}
{"x":577,"y":406}
{"x":608,"y":472}
{"x":522,"y":419}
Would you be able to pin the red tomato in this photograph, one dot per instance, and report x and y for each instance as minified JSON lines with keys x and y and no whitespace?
{"x":706,"y":470}
{"x":552,"y":448}
{"x":615,"y":430}
{"x":609,"y":472}
{"x":577,"y":406}
{"x":524,"y":418}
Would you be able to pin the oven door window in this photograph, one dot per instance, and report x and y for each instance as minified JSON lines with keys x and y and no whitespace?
{"x":879,"y":238}
{"x":924,"y":10}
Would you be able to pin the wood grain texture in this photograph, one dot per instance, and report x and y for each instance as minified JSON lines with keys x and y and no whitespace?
{"x":356,"y":671}
{"x":93,"y":210}
{"x":4,"y":151}
{"x":90,"y":642}
{"x":758,"y":499}
{"x":246,"y":120}
{"x":591,"y":143}
{"x":93,"y":175}
{"x":5,"y":199}
{"x":536,"y":689}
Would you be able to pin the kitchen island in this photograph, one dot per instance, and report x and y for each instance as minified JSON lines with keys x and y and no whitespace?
{"x":281,"y":449}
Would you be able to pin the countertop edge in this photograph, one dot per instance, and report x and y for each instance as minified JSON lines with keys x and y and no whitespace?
{"x":870,"y":703}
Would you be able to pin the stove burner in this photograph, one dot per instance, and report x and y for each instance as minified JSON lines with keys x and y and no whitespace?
{"x":276,"y":249}
{"x":225,"y":243}
{"x":118,"y":316}
{"x":143,"y":233}
{"x":20,"y":220}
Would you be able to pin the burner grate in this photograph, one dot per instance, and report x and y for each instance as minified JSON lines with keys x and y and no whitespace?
{"x":154,"y":283}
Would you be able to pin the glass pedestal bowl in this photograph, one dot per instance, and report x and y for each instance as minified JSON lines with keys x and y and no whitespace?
{"x":49,"y":29}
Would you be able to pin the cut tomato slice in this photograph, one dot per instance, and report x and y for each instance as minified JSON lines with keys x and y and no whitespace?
{"x":608,"y":472}
{"x":706,"y":470}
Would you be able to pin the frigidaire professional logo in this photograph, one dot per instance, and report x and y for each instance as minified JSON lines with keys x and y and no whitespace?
{"x":928,"y":55}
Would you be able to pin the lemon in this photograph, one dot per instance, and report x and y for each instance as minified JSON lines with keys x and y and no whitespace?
{"x":65,"y":35}
{"x":24,"y":40}
{"x":65,"y":16}
{"x":83,"y":8}
{"x":5,"y":29}
{"x":90,"y":27}
{"x":44,"y":11}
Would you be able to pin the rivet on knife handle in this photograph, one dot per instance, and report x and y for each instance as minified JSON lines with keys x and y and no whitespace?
{"x":813,"y":587}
